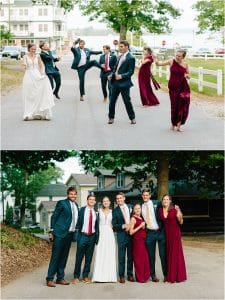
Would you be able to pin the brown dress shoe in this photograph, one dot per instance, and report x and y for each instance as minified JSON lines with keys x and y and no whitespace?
{"x":133,"y":121}
{"x":62,"y":281}
{"x":51,"y":284}
{"x":130,"y":278}
{"x":122,"y":280}
{"x":86,"y":280}
{"x":81,"y":98}
{"x":75,"y":280}
{"x":155,"y":279}
{"x":164,"y":280}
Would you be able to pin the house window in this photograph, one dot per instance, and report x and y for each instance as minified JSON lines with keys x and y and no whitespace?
{"x":21,"y":12}
{"x":40,"y":27}
{"x":45,"y":27}
{"x":2,"y":12}
{"x":21,"y":27}
{"x":45,"y":12}
{"x":14,"y":27}
{"x":40,"y":11}
{"x":101,"y":181}
{"x":25,"y":12}
{"x":120,"y":180}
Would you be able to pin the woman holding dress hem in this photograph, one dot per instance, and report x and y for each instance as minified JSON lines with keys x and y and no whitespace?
{"x":37,"y":93}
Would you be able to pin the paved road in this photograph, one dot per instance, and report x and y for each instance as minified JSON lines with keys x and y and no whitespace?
{"x":83,"y":125}
{"x":205,"y":281}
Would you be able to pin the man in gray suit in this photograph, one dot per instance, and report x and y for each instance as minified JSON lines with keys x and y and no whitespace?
{"x":63,"y":232}
{"x":82,"y":62}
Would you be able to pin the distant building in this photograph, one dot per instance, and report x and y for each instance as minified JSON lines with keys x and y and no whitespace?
{"x":7,"y":200}
{"x":32,"y":23}
{"x":83,"y":183}
{"x":49,"y":193}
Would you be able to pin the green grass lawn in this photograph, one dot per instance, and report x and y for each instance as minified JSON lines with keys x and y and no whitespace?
{"x":11,"y":74}
{"x":213,"y":64}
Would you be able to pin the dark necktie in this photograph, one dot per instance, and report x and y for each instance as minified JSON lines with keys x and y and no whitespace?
{"x":90,"y":223}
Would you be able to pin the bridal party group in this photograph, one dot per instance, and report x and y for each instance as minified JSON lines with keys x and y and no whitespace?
{"x":123,"y":240}
{"x":42,"y":80}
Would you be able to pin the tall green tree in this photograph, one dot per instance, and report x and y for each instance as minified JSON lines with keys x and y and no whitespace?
{"x":24,"y":172}
{"x":210,"y":15}
{"x":5,"y":34}
{"x":204,"y":167}
{"x":130,"y":15}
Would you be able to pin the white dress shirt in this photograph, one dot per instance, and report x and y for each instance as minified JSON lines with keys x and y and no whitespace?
{"x":74,"y":216}
{"x":153,"y":223}
{"x":86,"y":220}
{"x":83,"y":59}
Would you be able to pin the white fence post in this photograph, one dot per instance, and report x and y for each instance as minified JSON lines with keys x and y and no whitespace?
{"x":160,"y":71}
{"x":154,"y":71}
{"x":219,"y":83}
{"x":200,"y":79}
{"x":167,"y":72}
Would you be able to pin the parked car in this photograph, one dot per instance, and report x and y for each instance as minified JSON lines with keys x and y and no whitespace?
{"x":136,"y":50}
{"x":220,"y":51}
{"x":35,"y":225}
{"x":12,"y":52}
{"x":23,"y":51}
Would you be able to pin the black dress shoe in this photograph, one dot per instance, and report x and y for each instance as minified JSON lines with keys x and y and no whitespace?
{"x":57,"y":96}
{"x":133,"y":121}
{"x":110,"y":121}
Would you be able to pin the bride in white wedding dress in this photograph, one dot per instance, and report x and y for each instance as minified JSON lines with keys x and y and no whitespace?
{"x":105,"y":253}
{"x":38,"y":98}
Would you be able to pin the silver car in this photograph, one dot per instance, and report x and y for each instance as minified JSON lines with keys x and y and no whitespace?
{"x":12,"y":52}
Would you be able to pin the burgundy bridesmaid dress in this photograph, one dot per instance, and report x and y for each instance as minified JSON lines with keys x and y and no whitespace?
{"x":140,"y":254}
{"x":147,"y":96}
{"x":179,"y":91}
{"x":176,"y":270}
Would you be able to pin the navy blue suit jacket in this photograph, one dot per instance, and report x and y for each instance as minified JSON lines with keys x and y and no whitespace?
{"x":77,"y":55}
{"x":80,"y":223}
{"x":61,"y":218}
{"x":126,"y":70}
{"x":112,"y":63}
{"x":118,"y":222}
{"x":48,"y":61}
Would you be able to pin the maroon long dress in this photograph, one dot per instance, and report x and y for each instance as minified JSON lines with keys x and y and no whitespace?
{"x":140,"y":254}
{"x":179,"y":91}
{"x":146,"y":92}
{"x":176,"y":270}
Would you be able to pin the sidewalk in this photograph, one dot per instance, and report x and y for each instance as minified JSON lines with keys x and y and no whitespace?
{"x":205,"y":281}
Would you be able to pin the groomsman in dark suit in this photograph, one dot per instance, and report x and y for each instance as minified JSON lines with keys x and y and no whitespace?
{"x":63,"y":224}
{"x":120,"y":222}
{"x":107,"y":62}
{"x":155,"y":232}
{"x":50,"y":68}
{"x":121,"y":82}
{"x":82,"y":62}
{"x":88,"y":234}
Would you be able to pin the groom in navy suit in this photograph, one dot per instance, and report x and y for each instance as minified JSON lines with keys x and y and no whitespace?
{"x":63,"y":232}
{"x":82,"y":62}
{"x":107,"y":61}
{"x":88,"y":234}
{"x":50,"y":68}
{"x":120,"y":222}
{"x":121,"y":82}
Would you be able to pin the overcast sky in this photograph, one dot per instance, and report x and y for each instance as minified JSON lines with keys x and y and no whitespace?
{"x":69,"y":166}
{"x":75,"y":19}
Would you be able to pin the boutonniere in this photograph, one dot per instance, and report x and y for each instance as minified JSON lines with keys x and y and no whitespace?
{"x":130,"y":210}
{"x":155,"y":206}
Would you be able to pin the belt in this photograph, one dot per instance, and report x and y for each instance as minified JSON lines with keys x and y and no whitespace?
{"x":152,"y":229}
{"x":88,"y":234}
{"x":71,"y":232}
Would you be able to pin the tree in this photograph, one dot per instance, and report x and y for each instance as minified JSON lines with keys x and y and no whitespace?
{"x":66,"y":4}
{"x":204,"y":167}
{"x":25,"y":172}
{"x":5,"y":34}
{"x":210,"y":15}
{"x":130,"y":15}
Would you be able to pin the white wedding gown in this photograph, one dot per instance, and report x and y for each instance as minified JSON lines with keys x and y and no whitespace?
{"x":38,"y":97}
{"x":105,"y":255}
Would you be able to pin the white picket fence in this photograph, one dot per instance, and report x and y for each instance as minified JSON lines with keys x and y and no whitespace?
{"x":206,"y":56}
{"x":199,"y":81}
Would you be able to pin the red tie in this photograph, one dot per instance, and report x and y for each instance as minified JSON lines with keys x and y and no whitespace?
{"x":106,"y":62}
{"x":90,"y":223}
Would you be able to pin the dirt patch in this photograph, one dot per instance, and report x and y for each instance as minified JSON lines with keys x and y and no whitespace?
{"x":214,"y":243}
{"x":15,"y":262}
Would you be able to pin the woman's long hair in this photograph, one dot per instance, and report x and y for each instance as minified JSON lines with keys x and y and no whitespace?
{"x":171,"y":202}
